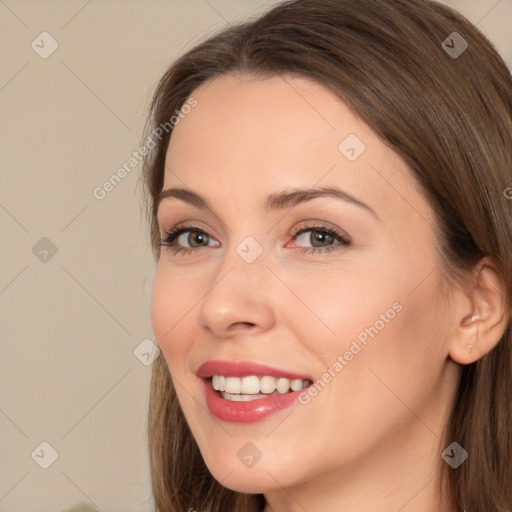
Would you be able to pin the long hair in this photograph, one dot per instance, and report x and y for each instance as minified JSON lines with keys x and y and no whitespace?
{"x":449,"y":116}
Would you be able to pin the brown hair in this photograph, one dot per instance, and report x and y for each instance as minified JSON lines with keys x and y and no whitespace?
{"x":450,"y":119}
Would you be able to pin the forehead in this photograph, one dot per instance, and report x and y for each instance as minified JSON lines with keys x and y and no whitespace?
{"x":253,"y":136}
{"x":261,"y":129}
{"x":245,"y":111}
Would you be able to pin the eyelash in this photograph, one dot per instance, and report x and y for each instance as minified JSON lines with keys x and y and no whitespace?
{"x":171,"y":235}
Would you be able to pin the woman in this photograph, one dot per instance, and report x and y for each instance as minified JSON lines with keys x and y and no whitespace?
{"x":333,"y":289}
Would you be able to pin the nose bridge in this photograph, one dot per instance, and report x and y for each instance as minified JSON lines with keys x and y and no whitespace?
{"x":247,"y":248}
{"x":243,"y":268}
{"x":240,"y":292}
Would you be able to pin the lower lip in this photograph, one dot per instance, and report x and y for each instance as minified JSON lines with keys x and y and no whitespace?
{"x":245,"y":412}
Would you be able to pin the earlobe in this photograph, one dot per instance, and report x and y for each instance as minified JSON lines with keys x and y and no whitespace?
{"x":482,"y":326}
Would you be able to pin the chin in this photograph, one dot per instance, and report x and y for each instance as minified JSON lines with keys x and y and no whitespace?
{"x":247,"y":481}
{"x":250,"y":480}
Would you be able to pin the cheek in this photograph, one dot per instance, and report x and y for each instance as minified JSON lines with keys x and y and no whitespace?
{"x":352,"y":306}
{"x":388,"y":336}
{"x":399,"y":356}
{"x":171,"y":314}
{"x":416,"y":350}
{"x":170,"y":304}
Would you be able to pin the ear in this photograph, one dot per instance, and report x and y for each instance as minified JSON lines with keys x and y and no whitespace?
{"x":483,"y":319}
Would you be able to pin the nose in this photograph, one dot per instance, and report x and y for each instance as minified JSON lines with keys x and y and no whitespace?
{"x":239,"y":300}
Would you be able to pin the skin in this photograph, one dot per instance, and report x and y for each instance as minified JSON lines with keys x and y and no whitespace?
{"x":371,"y":439}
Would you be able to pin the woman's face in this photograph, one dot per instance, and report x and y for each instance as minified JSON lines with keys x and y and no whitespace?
{"x":357,"y":309}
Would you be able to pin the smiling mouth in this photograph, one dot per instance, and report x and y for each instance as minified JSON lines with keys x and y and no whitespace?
{"x":252,"y":387}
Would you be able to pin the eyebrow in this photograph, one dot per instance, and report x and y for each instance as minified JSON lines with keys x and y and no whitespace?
{"x":275,"y":201}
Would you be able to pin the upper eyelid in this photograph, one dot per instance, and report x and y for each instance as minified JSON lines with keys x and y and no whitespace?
{"x":183,"y":225}
{"x":295,"y":231}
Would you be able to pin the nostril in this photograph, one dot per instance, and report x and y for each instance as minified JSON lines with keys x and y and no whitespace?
{"x":248,"y":324}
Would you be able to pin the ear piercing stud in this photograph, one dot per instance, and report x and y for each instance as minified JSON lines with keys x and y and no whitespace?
{"x":468,"y":349}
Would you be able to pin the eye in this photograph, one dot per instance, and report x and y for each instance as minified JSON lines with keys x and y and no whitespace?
{"x":192,"y":235}
{"x":321,"y":239}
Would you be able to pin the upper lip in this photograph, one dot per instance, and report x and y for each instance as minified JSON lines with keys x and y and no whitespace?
{"x":244,"y":369}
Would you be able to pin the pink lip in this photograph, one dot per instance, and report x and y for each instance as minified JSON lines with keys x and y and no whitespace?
{"x":244,"y":412}
{"x":243,"y":369}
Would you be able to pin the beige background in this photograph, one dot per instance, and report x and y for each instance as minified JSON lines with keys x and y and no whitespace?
{"x":70,"y":324}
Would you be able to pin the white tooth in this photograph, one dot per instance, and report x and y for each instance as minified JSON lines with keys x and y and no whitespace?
{"x":250,"y":385}
{"x":233,"y":384}
{"x":241,"y":398}
{"x":296,"y":384}
{"x":267,"y":384}
{"x":283,"y":385}
{"x":249,"y":398}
